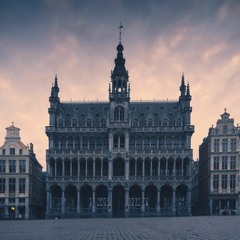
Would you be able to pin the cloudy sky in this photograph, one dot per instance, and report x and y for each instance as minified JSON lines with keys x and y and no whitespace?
{"x":77,"y":40}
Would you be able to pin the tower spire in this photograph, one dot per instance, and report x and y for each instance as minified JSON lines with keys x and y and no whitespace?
{"x":56,"y":81}
{"x":120,"y":32}
{"x":183,"y":86}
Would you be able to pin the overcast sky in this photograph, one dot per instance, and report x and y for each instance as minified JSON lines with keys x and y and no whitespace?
{"x":77,"y":40}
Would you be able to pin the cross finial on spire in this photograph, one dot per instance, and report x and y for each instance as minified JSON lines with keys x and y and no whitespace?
{"x":120,"y":32}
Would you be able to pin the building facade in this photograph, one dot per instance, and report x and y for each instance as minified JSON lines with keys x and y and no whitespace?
{"x":119,"y":157}
{"x":21,"y":179}
{"x":219,"y":169}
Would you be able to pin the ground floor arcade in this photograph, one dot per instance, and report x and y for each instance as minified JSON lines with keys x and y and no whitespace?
{"x":119,"y":200}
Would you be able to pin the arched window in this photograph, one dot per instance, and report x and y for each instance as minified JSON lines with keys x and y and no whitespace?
{"x":119,"y":113}
{"x":139,"y":143}
{"x":146,"y":143}
{"x":70,"y":142}
{"x":154,"y":143}
{"x":122,"y":141}
{"x":115,"y":141}
{"x":84,"y":143}
{"x":132,"y":143}
{"x":119,"y":141}
{"x":169,"y":143}
{"x":63,"y":143}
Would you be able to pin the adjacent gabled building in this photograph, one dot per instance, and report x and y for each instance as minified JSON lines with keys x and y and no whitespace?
{"x":119,"y":157}
{"x":219,"y":169}
{"x":21,"y":179}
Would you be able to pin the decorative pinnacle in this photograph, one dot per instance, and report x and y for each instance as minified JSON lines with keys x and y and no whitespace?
{"x":225,"y":110}
{"x":120,"y":32}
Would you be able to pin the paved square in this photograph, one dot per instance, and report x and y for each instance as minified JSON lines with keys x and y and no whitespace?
{"x":204,"y":228}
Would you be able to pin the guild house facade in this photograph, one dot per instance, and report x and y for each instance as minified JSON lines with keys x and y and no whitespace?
{"x":219,"y":169}
{"x":21,"y":179}
{"x":119,"y":157}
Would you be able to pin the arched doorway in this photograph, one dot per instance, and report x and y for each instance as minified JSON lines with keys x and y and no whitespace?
{"x":181,"y":200}
{"x":118,"y":201}
{"x":86,"y":199}
{"x":166,"y":200}
{"x":56,"y":203}
{"x":70,"y":200}
{"x":150,"y":200}
{"x":101,"y":199}
{"x":135,"y":200}
{"x":118,"y":167}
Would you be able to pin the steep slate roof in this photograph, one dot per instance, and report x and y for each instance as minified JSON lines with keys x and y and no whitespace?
{"x":169,"y":110}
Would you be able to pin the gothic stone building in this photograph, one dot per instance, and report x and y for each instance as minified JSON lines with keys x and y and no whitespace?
{"x":119,"y":158}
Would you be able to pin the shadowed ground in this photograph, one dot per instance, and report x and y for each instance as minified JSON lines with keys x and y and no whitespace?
{"x":205,"y":228}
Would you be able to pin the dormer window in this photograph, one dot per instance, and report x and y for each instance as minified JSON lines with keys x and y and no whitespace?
{"x":103,"y":123}
{"x":224,"y":129}
{"x":89,"y":123}
{"x":60,"y":123}
{"x":135,"y":122}
{"x":74,"y":123}
{"x":178,"y":123}
{"x":150,"y":122}
{"x":12,"y":151}
{"x":164,"y":122}
{"x":119,"y":114}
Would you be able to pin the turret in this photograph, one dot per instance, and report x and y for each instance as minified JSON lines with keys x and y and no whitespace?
{"x":54,"y":100}
{"x":183,"y":87}
{"x":185,"y":99}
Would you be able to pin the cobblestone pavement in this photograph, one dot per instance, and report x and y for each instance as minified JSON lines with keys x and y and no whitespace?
{"x":184,"y":228}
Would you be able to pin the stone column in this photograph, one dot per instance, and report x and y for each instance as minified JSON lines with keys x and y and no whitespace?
{"x":127,"y":141}
{"x":63,"y":202}
{"x":71,"y":167}
{"x":174,"y":203}
{"x":94,"y":168}
{"x":143,"y":204}
{"x":78,"y":202}
{"x":63,"y":168}
{"x":151,"y":167}
{"x":158,"y":170}
{"x":86,"y":168}
{"x":110,"y":168}
{"x":189,"y":202}
{"x":93,"y":203}
{"x":101,"y":167}
{"x":55,"y":166}
{"x":210,"y":206}
{"x":126,"y":202}
{"x":135,"y":167}
{"x":16,"y":207}
{"x":27,"y":208}
{"x":158,"y":201}
{"x":48,"y":202}
{"x":143,"y":170}
{"x":182,"y":167}
{"x":127,"y":168}
{"x":110,"y":202}
{"x":166,"y":167}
